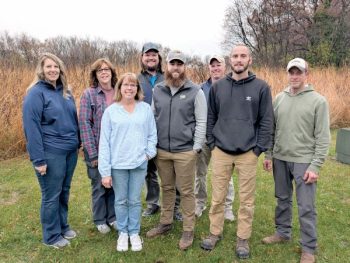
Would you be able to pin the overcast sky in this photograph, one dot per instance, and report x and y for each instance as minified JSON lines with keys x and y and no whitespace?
{"x":193,"y":26}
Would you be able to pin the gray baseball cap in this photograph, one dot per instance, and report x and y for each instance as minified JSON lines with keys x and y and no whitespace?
{"x":218,"y":58}
{"x":150,"y":46}
{"x":176,"y":55}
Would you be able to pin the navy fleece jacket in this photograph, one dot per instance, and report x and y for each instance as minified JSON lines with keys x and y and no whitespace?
{"x":50,"y":122}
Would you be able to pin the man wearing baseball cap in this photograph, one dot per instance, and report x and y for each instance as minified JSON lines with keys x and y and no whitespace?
{"x":301,"y":142}
{"x":152,"y":74}
{"x":181,"y":115}
{"x":217,"y":69}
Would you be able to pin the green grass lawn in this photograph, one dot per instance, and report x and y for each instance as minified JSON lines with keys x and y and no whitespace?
{"x":20,"y":229}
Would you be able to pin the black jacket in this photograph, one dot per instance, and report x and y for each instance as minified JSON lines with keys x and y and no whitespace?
{"x":240,"y":115}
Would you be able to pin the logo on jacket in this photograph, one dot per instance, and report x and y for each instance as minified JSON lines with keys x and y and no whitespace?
{"x":182,"y":96}
{"x":248,"y":98}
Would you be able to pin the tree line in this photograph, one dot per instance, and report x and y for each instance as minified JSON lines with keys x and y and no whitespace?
{"x":277,"y":30}
{"x":24,"y":50}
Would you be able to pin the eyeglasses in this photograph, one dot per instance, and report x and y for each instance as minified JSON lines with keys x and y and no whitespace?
{"x":131,"y":85}
{"x":103,"y":70}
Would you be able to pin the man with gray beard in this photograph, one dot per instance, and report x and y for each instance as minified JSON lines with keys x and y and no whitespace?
{"x":181,"y":113}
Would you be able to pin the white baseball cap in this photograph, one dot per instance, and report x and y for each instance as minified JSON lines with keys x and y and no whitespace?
{"x":298,"y":63}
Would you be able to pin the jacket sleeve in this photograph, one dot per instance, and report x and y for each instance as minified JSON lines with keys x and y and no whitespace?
{"x":212,"y":118}
{"x":86,"y":122}
{"x":322,"y":136}
{"x":151,"y":150}
{"x":265,"y":123}
{"x":200,"y":112}
{"x":33,"y":107}
{"x":104,"y":157}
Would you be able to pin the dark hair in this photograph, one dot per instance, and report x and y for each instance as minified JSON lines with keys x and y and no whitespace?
{"x":159,"y":67}
{"x":96,"y":66}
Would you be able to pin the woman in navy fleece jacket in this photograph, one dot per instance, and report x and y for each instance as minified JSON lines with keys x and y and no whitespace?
{"x":51,"y":130}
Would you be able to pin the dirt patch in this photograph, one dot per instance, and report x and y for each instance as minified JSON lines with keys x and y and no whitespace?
{"x":8,"y":198}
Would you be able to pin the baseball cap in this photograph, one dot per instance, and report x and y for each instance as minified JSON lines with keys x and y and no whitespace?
{"x":150,"y":46}
{"x":298,"y":63}
{"x":218,"y":58}
{"x":176,"y":55}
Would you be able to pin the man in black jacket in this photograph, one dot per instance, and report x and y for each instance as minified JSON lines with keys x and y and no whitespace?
{"x":239,"y":129}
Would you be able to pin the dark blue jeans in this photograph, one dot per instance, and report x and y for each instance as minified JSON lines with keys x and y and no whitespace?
{"x":102,"y":198}
{"x":55,"y":186}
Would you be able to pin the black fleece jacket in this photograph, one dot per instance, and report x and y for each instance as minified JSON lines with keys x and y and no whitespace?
{"x":240,"y":115}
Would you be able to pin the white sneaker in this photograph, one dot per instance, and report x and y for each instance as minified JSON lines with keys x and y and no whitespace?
{"x":103,"y":228}
{"x":199,"y":210}
{"x":123,"y":242}
{"x":136,"y":242}
{"x":229,"y":215}
{"x":114,"y":225}
{"x":59,"y":244}
{"x":70,"y":234}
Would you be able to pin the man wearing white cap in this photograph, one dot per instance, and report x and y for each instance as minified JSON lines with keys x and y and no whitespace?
{"x":217,"y":68}
{"x":301,"y":142}
{"x":180,"y":111}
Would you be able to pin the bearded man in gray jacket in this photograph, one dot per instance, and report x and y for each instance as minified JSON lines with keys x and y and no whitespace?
{"x":181,"y":114}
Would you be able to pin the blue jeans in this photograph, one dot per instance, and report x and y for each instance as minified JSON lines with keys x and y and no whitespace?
{"x":55,"y":186}
{"x":127,"y":186}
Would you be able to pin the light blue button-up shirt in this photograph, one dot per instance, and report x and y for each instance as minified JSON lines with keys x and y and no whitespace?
{"x":127,"y":139}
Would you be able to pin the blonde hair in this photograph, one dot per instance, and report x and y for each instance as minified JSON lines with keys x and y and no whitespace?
{"x":132,"y":78}
{"x":39,"y":72}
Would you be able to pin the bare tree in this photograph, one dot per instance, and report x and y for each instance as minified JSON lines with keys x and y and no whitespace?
{"x":273,"y":29}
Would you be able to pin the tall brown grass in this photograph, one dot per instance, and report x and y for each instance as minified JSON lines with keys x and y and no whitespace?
{"x":333,"y":83}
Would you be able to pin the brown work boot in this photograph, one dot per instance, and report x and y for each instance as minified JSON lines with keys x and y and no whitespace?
{"x":186,"y":240}
{"x":274,"y":239}
{"x":307,"y":258}
{"x":160,"y":229}
{"x":242,"y":248}
{"x":210,"y":241}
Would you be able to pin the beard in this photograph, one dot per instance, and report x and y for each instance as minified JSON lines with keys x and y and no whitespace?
{"x":150,"y":69}
{"x":239,"y":71}
{"x":175,"y":82}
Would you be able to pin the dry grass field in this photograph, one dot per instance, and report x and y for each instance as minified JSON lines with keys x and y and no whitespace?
{"x":333,"y":83}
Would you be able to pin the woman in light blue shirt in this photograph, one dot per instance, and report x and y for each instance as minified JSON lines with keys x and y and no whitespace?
{"x":128,"y":140}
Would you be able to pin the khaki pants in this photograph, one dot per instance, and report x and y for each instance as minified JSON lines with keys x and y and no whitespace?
{"x":223,"y":165}
{"x":200,"y":185}
{"x":177,"y":170}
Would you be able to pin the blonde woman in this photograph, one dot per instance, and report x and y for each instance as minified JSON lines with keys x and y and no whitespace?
{"x":51,"y":130}
{"x":128,"y":140}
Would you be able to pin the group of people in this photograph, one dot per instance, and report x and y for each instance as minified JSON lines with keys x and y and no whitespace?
{"x":141,"y":126}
